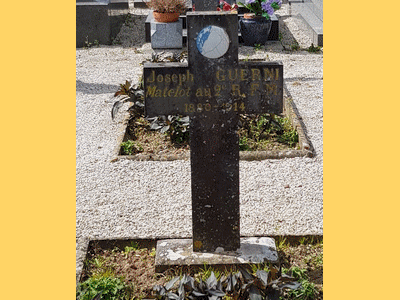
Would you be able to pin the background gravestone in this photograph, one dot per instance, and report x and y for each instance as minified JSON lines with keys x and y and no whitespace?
{"x":205,"y":5}
{"x":99,"y":20}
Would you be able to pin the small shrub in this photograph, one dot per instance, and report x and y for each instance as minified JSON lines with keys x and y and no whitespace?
{"x":257,"y":131}
{"x":111,"y":288}
{"x":307,"y":291}
{"x":257,"y":47}
{"x":131,"y":147}
{"x":289,"y":135}
{"x":243,"y":144}
{"x":176,"y":127}
{"x":313,"y":49}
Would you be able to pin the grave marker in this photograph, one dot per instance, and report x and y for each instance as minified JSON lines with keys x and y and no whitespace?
{"x":213,"y":89}
{"x":205,"y":5}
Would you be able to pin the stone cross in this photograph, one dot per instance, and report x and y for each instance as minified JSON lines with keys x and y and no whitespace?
{"x":213,"y":89}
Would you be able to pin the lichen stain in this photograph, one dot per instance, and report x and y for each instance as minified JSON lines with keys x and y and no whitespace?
{"x":198,"y":244}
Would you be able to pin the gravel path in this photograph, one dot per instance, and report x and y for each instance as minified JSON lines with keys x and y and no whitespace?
{"x":152,"y":199}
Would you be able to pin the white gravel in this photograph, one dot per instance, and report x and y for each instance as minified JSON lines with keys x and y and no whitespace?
{"x":152,"y":199}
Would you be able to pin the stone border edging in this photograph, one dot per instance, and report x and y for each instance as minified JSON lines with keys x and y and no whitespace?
{"x":81,"y":251}
{"x":290,"y":111}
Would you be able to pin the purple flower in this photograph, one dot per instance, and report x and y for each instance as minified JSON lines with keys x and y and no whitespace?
{"x":266,"y":6}
{"x":250,"y":1}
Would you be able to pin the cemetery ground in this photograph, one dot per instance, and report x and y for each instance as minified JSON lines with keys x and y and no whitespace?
{"x":131,"y":264}
{"x":151,"y":199}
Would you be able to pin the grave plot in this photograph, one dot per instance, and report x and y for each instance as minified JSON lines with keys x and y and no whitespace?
{"x":133,"y":260}
{"x":213,"y":89}
{"x":138,"y":142}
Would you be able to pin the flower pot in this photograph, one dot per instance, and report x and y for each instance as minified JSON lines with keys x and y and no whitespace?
{"x":166,"y":17}
{"x":254,"y":29}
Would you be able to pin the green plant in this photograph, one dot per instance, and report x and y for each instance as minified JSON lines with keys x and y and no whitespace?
{"x":131,"y":147}
{"x":134,"y":94}
{"x":207,"y":271}
{"x":243,"y":144}
{"x":108,"y":287}
{"x":295,"y":46}
{"x":307,"y":290}
{"x":255,"y":132}
{"x":257,"y":47}
{"x":174,"y":126}
{"x":255,"y":267}
{"x":167,"y":6}
{"x":265,"y":8}
{"x":239,"y":285}
{"x":99,"y":267}
{"x":88,"y":44}
{"x":282,"y":244}
{"x":316,"y":260}
{"x":134,"y":246}
{"x":313,"y":49}
{"x":289,"y":135}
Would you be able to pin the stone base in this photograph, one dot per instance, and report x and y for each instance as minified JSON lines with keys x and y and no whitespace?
{"x":179,"y":252}
{"x":166,"y":35}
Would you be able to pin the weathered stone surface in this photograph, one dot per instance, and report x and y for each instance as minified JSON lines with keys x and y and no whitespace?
{"x":205,"y":5}
{"x":214,"y":142}
{"x":179,"y":252}
{"x":99,"y":20}
{"x":166,"y":35}
{"x":214,"y":158}
{"x":213,"y":89}
{"x":92,"y":23}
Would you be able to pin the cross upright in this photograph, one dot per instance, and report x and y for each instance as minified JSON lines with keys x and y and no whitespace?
{"x":213,"y":88}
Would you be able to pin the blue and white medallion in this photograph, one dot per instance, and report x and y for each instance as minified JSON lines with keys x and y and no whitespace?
{"x":212,"y":41}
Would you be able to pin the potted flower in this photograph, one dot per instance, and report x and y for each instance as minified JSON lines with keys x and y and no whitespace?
{"x":255,"y":26}
{"x":167,"y":11}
